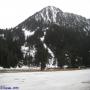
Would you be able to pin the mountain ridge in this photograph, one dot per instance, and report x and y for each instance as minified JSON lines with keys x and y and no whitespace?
{"x":51,"y":14}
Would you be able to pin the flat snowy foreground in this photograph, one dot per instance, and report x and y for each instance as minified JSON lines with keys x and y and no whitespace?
{"x":59,"y":80}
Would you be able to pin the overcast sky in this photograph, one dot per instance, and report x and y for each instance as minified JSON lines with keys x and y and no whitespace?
{"x":13,"y":12}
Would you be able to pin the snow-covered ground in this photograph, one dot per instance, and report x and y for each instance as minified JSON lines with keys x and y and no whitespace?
{"x":58,"y":80}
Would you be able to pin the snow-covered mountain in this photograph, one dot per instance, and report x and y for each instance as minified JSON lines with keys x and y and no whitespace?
{"x":52,"y":15}
{"x":48,"y":16}
{"x":54,"y":34}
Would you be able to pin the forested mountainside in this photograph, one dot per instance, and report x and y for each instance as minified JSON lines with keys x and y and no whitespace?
{"x":50,"y":37}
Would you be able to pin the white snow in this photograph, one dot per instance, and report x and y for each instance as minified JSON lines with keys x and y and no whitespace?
{"x":24,"y":49}
{"x":33,"y":51}
{"x":59,"y":80}
{"x":54,"y":13}
{"x":22,"y":68}
{"x":65,"y":66}
{"x":27,"y":33}
{"x":18,"y":68}
{"x":51,"y":61}
{"x":37,"y":17}
{"x":1,"y":68}
{"x":42,"y":15}
{"x":2,"y":35}
{"x":84,"y":30}
{"x":42,"y":38}
{"x":48,"y":14}
{"x":28,"y":50}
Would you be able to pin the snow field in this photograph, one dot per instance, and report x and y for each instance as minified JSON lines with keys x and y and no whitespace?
{"x":58,"y":80}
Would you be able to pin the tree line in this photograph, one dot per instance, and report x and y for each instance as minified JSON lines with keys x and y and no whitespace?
{"x":71,"y":46}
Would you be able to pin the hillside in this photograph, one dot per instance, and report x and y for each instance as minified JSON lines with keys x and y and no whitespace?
{"x":49,"y":38}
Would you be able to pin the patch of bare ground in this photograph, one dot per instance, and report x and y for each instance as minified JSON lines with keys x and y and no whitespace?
{"x":36,"y":70}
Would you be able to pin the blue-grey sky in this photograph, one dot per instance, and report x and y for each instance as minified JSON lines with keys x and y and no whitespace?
{"x":13,"y":12}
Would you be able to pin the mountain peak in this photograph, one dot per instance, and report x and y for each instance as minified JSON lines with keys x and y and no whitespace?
{"x":53,"y":15}
{"x":48,"y":14}
{"x":53,"y":8}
